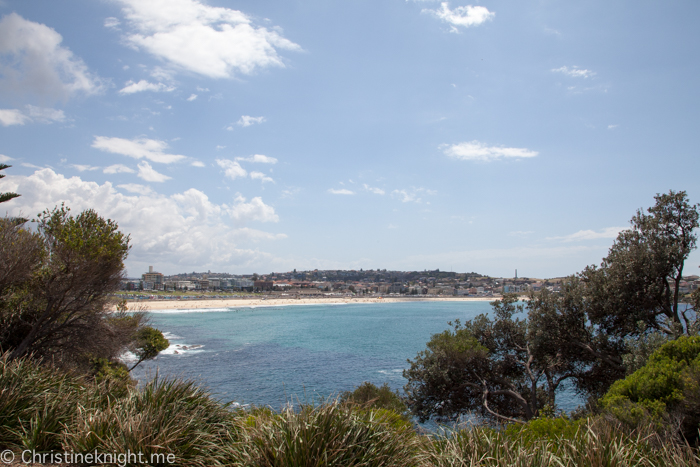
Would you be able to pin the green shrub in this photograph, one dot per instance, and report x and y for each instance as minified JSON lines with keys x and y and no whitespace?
{"x":546,"y":428}
{"x":113,"y":375}
{"x":665,"y":388}
{"x":370,"y":395}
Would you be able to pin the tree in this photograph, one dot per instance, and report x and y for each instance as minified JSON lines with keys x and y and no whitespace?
{"x":149,"y":342}
{"x":614,"y":316}
{"x":603,"y":320}
{"x":6,"y":196}
{"x":55,"y":285}
{"x":504,"y":368}
{"x":639,"y":280}
{"x":562,"y":329}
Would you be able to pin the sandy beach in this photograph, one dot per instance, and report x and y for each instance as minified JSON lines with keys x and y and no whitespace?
{"x":154,"y":304}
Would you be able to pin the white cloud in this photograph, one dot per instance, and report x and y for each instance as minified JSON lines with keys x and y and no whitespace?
{"x":608,"y":232}
{"x":291,"y":193}
{"x":112,"y":23}
{"x":261,"y":176}
{"x":139,"y":148}
{"x":131,"y":87}
{"x":412,"y":194}
{"x":198,"y":164}
{"x":212,"y":41}
{"x":574,"y":72}
{"x":476,"y":151}
{"x":84,"y":168}
{"x":31,"y":114}
{"x":118,"y":168}
{"x":45,"y":114}
{"x":376,"y":191}
{"x":192,"y":97}
{"x":258,"y":158}
{"x":520,"y":233}
{"x":342,"y":191}
{"x":161,"y":74}
{"x":612,"y":127}
{"x":184,"y":231}
{"x":33,"y":62}
{"x":4,"y":158}
{"x":247,"y":120}
{"x":149,"y":174}
{"x":232,"y":169}
{"x":13,"y":117}
{"x":464,"y":16}
{"x":136,"y":188}
{"x":256,"y":210}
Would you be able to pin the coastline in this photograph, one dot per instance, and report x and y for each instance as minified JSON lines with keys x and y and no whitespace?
{"x":149,"y":305}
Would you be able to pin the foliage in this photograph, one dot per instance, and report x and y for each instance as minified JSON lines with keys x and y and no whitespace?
{"x":641,"y":347}
{"x":55,"y":287}
{"x":149,"y":342}
{"x":668,"y":386}
{"x":546,"y":428}
{"x":165,"y":417}
{"x":35,"y":403}
{"x":505,"y":368}
{"x":6,"y":196}
{"x":46,"y":409}
{"x":113,"y":374}
{"x":639,"y":280}
{"x":369,"y":395}
{"x":596,"y":442}
{"x":21,"y":255}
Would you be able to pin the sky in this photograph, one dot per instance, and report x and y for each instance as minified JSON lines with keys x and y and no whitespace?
{"x":269,"y":135}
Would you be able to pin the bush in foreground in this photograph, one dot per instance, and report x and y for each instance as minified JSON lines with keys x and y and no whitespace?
{"x":664,"y":392}
{"x":45,"y":410}
{"x":378,"y":397}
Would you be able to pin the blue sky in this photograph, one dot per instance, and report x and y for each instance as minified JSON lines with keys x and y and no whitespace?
{"x":258,"y":136}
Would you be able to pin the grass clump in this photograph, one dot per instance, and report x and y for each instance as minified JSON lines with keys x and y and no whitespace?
{"x":165,"y":417}
{"x":596,"y":442}
{"x":333,"y":434}
{"x":36,"y":403}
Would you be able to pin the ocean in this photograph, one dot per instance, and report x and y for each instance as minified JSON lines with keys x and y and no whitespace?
{"x":279,"y":355}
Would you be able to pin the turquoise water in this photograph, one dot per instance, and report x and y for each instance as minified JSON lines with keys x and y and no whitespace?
{"x":276,"y":355}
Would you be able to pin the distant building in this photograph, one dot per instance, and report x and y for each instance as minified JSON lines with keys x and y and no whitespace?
{"x":264,"y":285}
{"x":242,"y":284}
{"x":152,"y":280}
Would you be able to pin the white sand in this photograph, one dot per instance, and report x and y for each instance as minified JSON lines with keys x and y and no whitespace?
{"x":155,"y":304}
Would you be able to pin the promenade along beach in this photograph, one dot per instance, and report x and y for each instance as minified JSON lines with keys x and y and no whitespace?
{"x":190,"y":304}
